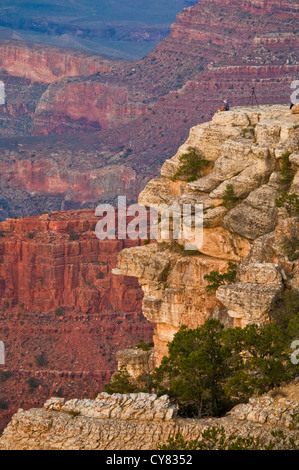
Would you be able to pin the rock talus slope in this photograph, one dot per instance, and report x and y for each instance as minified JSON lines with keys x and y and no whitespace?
{"x":244,"y":149}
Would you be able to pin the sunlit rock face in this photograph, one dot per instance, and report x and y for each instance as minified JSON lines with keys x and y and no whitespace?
{"x":244,"y":148}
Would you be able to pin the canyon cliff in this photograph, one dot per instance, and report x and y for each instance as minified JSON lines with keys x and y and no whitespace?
{"x":143,"y":110}
{"x":63,"y":313}
{"x":244,"y":149}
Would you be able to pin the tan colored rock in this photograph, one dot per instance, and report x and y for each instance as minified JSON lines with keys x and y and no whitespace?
{"x":254,"y":217}
{"x":160,"y":191}
{"x":242,"y":146}
{"x":219,"y":243}
{"x":294,"y":159}
{"x":137,"y":362}
{"x":289,"y":145}
{"x":248,"y":302}
{"x":260,"y":273}
{"x":231,"y":118}
{"x":206,"y":139}
{"x":213,"y":217}
{"x":140,"y":422}
{"x":295,"y":109}
{"x":295,"y":184}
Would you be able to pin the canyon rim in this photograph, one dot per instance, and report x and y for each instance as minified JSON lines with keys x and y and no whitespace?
{"x":78,"y":129}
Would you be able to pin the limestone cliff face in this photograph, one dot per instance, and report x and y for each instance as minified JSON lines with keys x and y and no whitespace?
{"x":244,"y":148}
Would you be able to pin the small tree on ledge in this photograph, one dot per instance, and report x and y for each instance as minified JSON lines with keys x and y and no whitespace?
{"x":121,"y":382}
{"x":190,"y":166}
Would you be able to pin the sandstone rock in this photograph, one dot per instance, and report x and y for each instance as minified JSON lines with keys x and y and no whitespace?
{"x":268,"y":132}
{"x":294,"y":159}
{"x":137,"y":362}
{"x":289,"y":145}
{"x":135,"y":406}
{"x":213,"y":217}
{"x":231,"y":118}
{"x":117,"y":422}
{"x":260,"y":273}
{"x":61,"y":304}
{"x":248,"y":301}
{"x":295,"y":109}
{"x":263,"y":250}
{"x":254,"y":217}
{"x":267,"y":410}
{"x":295,"y":184}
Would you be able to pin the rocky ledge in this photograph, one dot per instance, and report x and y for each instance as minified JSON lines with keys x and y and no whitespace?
{"x":246,"y":151}
{"x":138,"y":422}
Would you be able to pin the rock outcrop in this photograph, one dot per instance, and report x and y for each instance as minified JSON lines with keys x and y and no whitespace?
{"x":63,"y":314}
{"x":138,"y":422}
{"x":244,"y":148}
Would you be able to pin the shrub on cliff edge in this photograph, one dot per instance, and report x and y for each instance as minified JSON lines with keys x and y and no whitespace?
{"x":190,"y":165}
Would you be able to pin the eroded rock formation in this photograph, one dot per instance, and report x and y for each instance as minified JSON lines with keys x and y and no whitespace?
{"x":244,"y":148}
{"x":63,"y":314}
{"x":137,"y":422}
{"x":45,"y":64}
{"x":139,"y":112}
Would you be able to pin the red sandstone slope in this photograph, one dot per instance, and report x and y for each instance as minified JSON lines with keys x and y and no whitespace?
{"x":63,"y":315}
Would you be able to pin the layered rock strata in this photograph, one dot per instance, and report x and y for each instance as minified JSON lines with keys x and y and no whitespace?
{"x":63,"y":314}
{"x":244,"y":149}
{"x":137,"y":422}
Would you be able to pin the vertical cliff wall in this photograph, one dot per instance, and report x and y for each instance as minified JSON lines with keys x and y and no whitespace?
{"x":244,"y":149}
{"x":63,"y":314}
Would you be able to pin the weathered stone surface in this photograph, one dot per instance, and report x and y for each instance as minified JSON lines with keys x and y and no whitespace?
{"x":294,"y":159}
{"x":248,"y":302}
{"x":60,"y":303}
{"x":134,"y":406}
{"x":291,"y":144}
{"x":137,"y":362}
{"x":295,"y":109}
{"x":118,"y":422}
{"x":279,"y":411}
{"x":254,"y":217}
{"x":260,"y":273}
{"x":243,"y":147}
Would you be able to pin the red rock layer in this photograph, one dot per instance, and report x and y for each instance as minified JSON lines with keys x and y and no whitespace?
{"x":45,"y":64}
{"x":63,"y":315}
{"x":88,"y":104}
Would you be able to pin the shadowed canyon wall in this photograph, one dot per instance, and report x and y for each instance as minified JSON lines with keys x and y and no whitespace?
{"x":63,"y":314}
